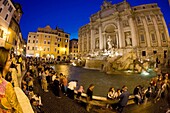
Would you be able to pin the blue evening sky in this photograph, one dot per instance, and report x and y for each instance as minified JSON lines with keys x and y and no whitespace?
{"x":70,"y":15}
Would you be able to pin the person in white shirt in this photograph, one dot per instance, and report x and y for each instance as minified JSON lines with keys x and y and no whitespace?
{"x":71,"y":86}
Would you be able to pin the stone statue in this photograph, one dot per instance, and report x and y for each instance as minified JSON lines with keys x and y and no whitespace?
{"x":128,"y":41}
{"x":109,"y":43}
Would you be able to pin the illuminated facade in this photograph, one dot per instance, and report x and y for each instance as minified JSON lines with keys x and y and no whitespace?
{"x":73,"y":48}
{"x":16,"y":40}
{"x":122,"y":28}
{"x":6,"y":12}
{"x":49,"y":43}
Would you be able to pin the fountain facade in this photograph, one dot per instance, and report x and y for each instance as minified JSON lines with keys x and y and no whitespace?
{"x":124,"y":37}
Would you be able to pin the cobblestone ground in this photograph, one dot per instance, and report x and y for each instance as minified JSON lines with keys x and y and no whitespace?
{"x":52,"y":104}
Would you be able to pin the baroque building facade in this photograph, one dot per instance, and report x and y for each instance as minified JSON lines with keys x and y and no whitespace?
{"x":16,"y":41}
{"x":10,"y":33}
{"x":7,"y":9}
{"x":122,"y":28}
{"x":48,"y":43}
{"x":73,"y":48}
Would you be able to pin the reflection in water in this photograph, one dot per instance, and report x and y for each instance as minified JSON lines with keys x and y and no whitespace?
{"x":101,"y":80}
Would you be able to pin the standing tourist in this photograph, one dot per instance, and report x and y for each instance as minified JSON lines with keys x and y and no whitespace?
{"x":123,"y":99}
{"x":20,"y":61}
{"x":89,"y":96}
{"x":8,"y":99}
{"x":56,"y":87}
{"x":44,"y":82}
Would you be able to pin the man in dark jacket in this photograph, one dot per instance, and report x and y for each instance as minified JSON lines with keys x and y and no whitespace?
{"x":123,"y":99}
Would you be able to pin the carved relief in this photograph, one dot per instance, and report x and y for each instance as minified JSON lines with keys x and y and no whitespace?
{"x":125,"y":23}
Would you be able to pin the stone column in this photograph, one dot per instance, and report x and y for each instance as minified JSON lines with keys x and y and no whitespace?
{"x":119,"y":34}
{"x":104,"y":40}
{"x":92,"y":40}
{"x":82,"y":43}
{"x":88,"y":43}
{"x":147,"y":31}
{"x":100,"y":38}
{"x":133,"y":32}
{"x":117,"y":38}
{"x":157,"y":31}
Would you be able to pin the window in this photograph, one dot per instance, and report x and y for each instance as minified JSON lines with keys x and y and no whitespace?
{"x":44,"y":41}
{"x":28,"y":41}
{"x":28,"y":47}
{"x":36,"y":48}
{"x":44,"y":49}
{"x":1,"y":33}
{"x":48,"y":49}
{"x":142,"y":38}
{"x":10,"y":8}
{"x":32,"y":48}
{"x":143,"y":53}
{"x":138,"y":20}
{"x":158,"y":17}
{"x":65,"y":46}
{"x":55,"y":43}
{"x":0,"y":10}
{"x":153,"y":37}
{"x":154,"y":52}
{"x":58,"y":52}
{"x":58,"y":45}
{"x":65,"y":52}
{"x":148,"y":18}
{"x":48,"y":36}
{"x":48,"y":42}
{"x":6,"y":17}
{"x":66,"y":36}
{"x":33,"y":41}
{"x":5,"y":2}
{"x":165,"y":53}
{"x":59,"y":39}
{"x":163,"y":37}
{"x":36,"y":41}
{"x":66,"y":40}
{"x":55,"y":49}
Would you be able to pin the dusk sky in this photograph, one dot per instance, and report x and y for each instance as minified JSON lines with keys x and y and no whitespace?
{"x":69,"y":15}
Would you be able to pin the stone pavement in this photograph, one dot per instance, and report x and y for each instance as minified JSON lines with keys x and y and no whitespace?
{"x":53,"y":104}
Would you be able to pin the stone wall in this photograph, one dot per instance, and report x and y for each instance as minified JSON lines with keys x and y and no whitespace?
{"x":94,"y":64}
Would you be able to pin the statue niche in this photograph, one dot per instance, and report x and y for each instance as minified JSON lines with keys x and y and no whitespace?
{"x":128,"y":39}
{"x":111,"y":42}
{"x":97,"y":43}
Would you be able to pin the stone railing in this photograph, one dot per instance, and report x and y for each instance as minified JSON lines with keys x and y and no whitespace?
{"x":102,"y":101}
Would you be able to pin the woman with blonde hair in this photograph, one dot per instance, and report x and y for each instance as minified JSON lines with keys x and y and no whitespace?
{"x":8,"y":99}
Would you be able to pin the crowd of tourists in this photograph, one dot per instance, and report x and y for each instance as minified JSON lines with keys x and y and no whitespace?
{"x":50,"y":79}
